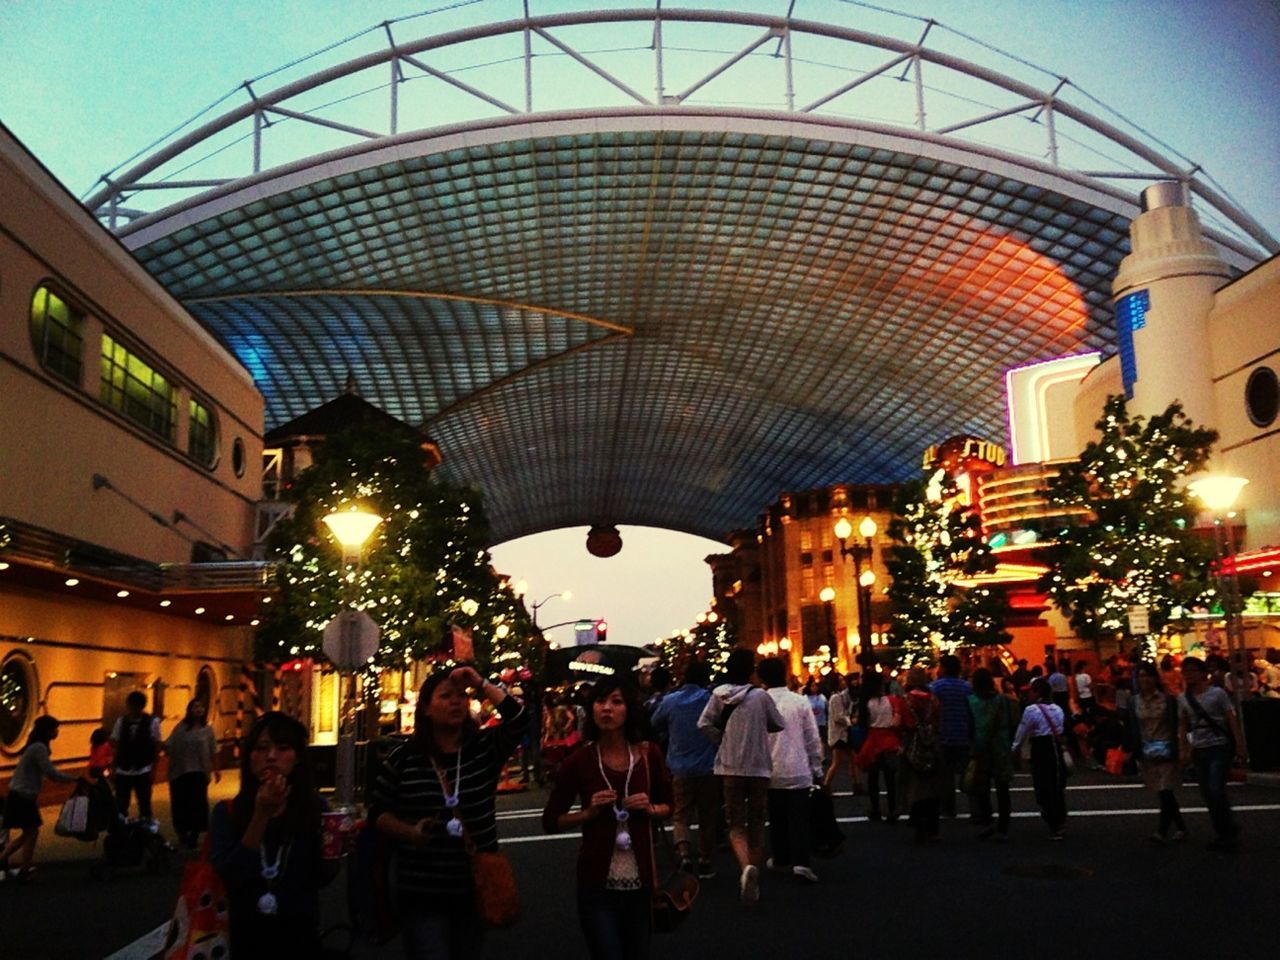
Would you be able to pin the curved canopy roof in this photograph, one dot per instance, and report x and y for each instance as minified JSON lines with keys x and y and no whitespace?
{"x":654,"y":315}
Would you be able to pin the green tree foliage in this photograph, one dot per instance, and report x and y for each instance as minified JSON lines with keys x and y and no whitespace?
{"x":937,"y":543}
{"x":711,"y":642}
{"x":1132,"y":542}
{"x":425,"y":568}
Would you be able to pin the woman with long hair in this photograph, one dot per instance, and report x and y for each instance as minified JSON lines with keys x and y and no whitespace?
{"x":22,"y":809}
{"x":1043,"y":724}
{"x":924,"y":773}
{"x":880,"y":715}
{"x":192,"y":749}
{"x":622,"y":788}
{"x":1155,"y":730}
{"x":266,"y":845}
{"x":435,"y":798}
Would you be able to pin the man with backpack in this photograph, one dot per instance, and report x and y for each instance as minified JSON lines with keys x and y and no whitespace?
{"x":136,"y":738}
{"x":1209,"y":735}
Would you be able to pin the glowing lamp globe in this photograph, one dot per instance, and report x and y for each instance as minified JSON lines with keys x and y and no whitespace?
{"x":867,"y":578}
{"x":843,"y":529}
{"x":351,"y":528}
{"x":1218,"y":493}
{"x":867,"y":528}
{"x":827,"y":595}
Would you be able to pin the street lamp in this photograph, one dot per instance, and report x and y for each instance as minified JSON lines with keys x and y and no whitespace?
{"x":565,"y":594}
{"x":351,"y":528}
{"x":860,"y":552}
{"x":1219,"y":494}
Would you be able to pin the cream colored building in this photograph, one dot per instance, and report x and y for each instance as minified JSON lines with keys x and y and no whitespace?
{"x":130,"y":446}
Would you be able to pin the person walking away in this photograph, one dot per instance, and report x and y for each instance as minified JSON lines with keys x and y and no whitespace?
{"x":796,"y":755}
{"x":880,"y":716}
{"x":740,"y":717}
{"x":1060,"y":683}
{"x":691,"y":760}
{"x":22,"y":807}
{"x":266,"y":846}
{"x":192,"y":749}
{"x":818,"y":704}
{"x":925,"y":777}
{"x":136,"y":738}
{"x":956,"y":730}
{"x":992,"y":721}
{"x":1042,"y":724}
{"x":844,"y":733}
{"x":1084,"y":692}
{"x":623,"y":789}
{"x":434,"y":797}
{"x":1156,"y":747}
{"x":1208,"y":736}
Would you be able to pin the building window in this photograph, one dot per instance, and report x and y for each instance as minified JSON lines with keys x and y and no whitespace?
{"x":237,"y":457}
{"x":202,"y":434}
{"x":1262,"y":397}
{"x":17,"y":702}
{"x":57,"y":331}
{"x":137,"y":390}
{"x":806,"y":559}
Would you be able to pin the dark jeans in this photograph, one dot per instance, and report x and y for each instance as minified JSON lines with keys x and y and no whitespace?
{"x":189,"y":804}
{"x":139,"y":784}
{"x":890,"y":787}
{"x":617,"y":924}
{"x":1050,"y":782}
{"x":790,"y":830}
{"x":980,"y":801}
{"x":1170,"y":814}
{"x":954,"y":759}
{"x":1212,"y":765}
{"x":454,"y":934}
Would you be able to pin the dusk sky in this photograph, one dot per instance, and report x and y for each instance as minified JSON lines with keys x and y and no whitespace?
{"x":89,"y":83}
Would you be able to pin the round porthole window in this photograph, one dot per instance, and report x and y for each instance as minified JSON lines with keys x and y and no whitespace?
{"x":17,"y":701}
{"x":1262,"y":397}
{"x":237,"y":457}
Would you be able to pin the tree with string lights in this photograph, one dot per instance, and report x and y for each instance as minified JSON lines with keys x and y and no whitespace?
{"x":709,"y":640}
{"x":425,"y":570}
{"x":938,"y":547}
{"x":1132,"y":542}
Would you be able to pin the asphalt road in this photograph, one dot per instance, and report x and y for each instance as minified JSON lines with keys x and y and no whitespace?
{"x":1105,"y":891}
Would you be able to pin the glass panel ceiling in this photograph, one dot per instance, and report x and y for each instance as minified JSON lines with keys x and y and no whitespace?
{"x":803,"y":312}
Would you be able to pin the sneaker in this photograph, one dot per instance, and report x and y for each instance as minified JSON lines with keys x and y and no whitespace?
{"x":749,"y":884}
{"x":705,"y":870}
{"x":804,"y":873}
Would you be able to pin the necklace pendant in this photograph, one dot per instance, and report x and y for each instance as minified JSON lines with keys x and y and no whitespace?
{"x":451,"y":800}
{"x":271,"y":872}
{"x":267,"y":904}
{"x":623,"y":840}
{"x":454,"y":827}
{"x":622,"y":815}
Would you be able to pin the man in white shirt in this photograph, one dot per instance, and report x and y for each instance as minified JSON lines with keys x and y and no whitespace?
{"x":796,"y":752}
{"x":136,"y":739}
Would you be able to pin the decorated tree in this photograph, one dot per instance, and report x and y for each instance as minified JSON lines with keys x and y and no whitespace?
{"x":1133,"y":543}
{"x":938,"y":550}
{"x":424,"y":572}
{"x":709,"y":640}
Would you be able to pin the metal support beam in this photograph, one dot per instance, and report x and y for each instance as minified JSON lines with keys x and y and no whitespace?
{"x":465,"y":87}
{"x":322,"y":122}
{"x":986,"y":118}
{"x":594,"y":68}
{"x":857,"y":82}
{"x":769,"y":35}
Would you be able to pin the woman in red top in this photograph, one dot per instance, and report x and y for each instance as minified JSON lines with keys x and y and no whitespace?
{"x":623,"y":787}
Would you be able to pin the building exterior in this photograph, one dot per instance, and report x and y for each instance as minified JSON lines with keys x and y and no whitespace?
{"x":774,"y":582}
{"x":130,"y":452}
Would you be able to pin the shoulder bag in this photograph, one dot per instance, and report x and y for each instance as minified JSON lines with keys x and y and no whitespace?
{"x":674,"y":889}
{"x":1068,"y":761}
{"x":1203,"y":715}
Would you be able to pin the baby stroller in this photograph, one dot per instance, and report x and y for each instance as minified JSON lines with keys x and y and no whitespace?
{"x":132,"y":843}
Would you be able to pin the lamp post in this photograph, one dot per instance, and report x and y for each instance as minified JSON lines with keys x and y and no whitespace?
{"x":351,"y":528}
{"x":828,"y":597}
{"x":860,"y":552}
{"x":1219,"y":494}
{"x":564,"y":594}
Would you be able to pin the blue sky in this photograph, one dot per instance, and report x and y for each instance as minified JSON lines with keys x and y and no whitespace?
{"x":87,"y":84}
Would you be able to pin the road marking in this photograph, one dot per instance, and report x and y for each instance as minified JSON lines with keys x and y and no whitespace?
{"x":1020,"y":815}
{"x":145,"y":947}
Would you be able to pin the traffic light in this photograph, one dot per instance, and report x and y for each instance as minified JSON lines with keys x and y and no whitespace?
{"x":602,"y":631}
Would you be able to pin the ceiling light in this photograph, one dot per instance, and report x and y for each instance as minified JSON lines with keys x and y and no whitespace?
{"x":122,"y":594}
{"x":165,"y":603}
{"x":199,"y":610}
{"x":72,"y":581}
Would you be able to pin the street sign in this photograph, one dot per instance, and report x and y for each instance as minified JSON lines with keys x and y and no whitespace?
{"x":1139,"y":621}
{"x":350,"y":639}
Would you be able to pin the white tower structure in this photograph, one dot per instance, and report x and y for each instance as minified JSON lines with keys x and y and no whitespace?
{"x":1164,"y":292}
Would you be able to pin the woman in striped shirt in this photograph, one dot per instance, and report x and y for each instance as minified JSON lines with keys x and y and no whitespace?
{"x":435,"y":797}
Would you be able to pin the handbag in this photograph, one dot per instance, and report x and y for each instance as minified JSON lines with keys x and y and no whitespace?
{"x":494,"y":882}
{"x":674,"y":894}
{"x":73,"y":818}
{"x":1066,"y":761}
{"x":1157,"y":750}
{"x":201,"y":924}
